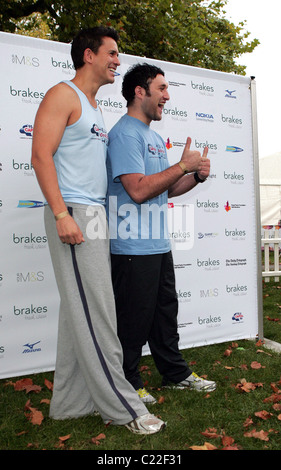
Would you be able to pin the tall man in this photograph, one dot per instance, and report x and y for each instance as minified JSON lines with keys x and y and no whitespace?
{"x":139,"y":178}
{"x":69,"y":158}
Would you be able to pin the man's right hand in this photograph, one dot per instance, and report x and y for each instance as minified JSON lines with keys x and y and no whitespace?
{"x":192,"y":159}
{"x":68,"y":231}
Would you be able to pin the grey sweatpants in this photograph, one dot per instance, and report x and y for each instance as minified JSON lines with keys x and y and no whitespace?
{"x":88,"y":375}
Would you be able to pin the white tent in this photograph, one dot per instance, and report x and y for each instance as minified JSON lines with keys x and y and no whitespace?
{"x":270,"y":189}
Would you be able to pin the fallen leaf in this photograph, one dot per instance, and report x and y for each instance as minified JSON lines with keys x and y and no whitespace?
{"x":235,"y":447}
{"x":206,"y":446}
{"x":274,"y":387}
{"x":211,"y":433}
{"x":33,"y":388}
{"x":161,"y":400}
{"x":22,"y":384}
{"x":246,"y":386}
{"x":256,"y":365}
{"x":227,"y":352}
{"x":64,"y":438}
{"x":264,"y":352}
{"x":27,"y":385}
{"x":263,"y":414}
{"x":275,"y":398}
{"x":262,"y":435}
{"x":96,"y":440}
{"x":248,"y":422}
{"x":227,"y":441}
{"x":45,"y":400}
{"x":48,"y":384}
{"x":21,"y":433}
{"x":35,"y":416}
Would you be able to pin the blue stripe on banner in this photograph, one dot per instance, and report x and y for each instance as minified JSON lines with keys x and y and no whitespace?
{"x":90,"y":325}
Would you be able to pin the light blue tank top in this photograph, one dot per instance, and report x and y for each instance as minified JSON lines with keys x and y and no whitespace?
{"x":80,"y":159}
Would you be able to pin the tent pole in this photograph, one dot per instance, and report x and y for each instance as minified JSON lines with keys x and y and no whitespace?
{"x":257,"y":205}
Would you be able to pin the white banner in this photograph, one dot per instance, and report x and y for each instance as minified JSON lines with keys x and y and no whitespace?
{"x":212,"y":228}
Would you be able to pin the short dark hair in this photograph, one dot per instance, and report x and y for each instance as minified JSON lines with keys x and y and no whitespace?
{"x":138,"y":75}
{"x":91,"y":38}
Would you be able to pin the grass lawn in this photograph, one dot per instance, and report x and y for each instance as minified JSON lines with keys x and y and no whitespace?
{"x":244,"y":412}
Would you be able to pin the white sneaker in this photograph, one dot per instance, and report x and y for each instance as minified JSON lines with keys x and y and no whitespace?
{"x":146,"y":424}
{"x":146,"y":397}
{"x":194,"y":382}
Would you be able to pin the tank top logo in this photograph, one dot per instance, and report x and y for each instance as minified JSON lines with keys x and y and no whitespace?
{"x":99,"y":133}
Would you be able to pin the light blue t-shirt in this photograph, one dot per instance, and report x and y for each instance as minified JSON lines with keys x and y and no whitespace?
{"x":80,"y":159}
{"x":138,"y":229}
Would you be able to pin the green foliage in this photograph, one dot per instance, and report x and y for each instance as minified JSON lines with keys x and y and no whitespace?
{"x":191,"y":32}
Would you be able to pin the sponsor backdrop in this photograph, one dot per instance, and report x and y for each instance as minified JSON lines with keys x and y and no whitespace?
{"x":212,"y":229}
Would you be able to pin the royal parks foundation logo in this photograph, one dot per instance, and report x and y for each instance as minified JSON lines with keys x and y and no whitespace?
{"x":233,"y":206}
